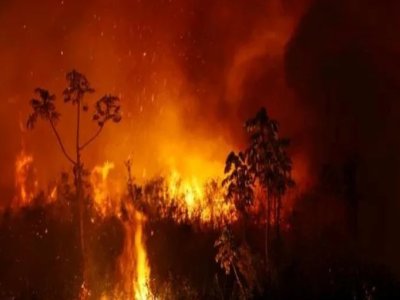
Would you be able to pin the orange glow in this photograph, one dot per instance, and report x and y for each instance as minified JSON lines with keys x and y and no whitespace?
{"x":103,"y":198}
{"x":141,"y":283}
{"x":53,"y":194}
{"x":133,"y":265}
{"x":195,"y":199}
{"x":181,"y":98}
{"x":25,"y":191}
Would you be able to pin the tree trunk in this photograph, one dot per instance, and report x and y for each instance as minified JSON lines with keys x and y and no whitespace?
{"x":238,"y":280}
{"x":278,"y":217}
{"x":267,"y":228}
{"x":80,"y":195}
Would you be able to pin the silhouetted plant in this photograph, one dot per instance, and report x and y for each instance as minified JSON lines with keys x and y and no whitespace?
{"x":237,"y":258}
{"x":134,"y":190}
{"x":266,"y":162}
{"x":106,"y":109}
{"x":239,"y":181}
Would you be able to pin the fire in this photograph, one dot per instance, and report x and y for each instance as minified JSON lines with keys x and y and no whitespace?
{"x":27,"y":184}
{"x":102,"y":198}
{"x":53,"y":194}
{"x":133,"y":264}
{"x":141,"y":284}
{"x":190,"y":189}
{"x":198,"y":199}
{"x":25,"y":191}
{"x":193,"y":199}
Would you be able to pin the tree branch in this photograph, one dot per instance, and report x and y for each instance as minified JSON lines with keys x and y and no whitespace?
{"x":60,"y":142}
{"x":91,"y":139}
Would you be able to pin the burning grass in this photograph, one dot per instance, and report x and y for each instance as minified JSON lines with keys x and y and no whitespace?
{"x":140,"y":250}
{"x":170,"y":236}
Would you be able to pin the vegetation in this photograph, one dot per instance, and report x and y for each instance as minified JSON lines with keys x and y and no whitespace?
{"x":308,"y":258}
{"x":107,"y":109}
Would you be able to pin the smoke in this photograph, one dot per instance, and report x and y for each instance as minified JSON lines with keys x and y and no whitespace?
{"x":342,"y":62}
{"x":188,"y":73}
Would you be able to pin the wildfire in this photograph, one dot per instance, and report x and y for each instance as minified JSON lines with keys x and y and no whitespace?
{"x":191,"y":199}
{"x":25,"y":191}
{"x":53,"y":194}
{"x":196,"y":199}
{"x":104,"y":201}
{"x":141,"y":284}
{"x":189,"y":189}
{"x":133,"y":264}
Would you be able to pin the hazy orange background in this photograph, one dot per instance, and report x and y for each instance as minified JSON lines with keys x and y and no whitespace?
{"x":184,"y":71}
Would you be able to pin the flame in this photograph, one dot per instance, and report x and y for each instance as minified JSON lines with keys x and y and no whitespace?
{"x":141,"y":284}
{"x":133,"y":264}
{"x":102,"y":199}
{"x":53,"y":194}
{"x":25,"y":193}
{"x":190,"y":190}
{"x":198,"y":199}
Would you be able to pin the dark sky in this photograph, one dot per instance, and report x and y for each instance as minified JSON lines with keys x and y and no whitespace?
{"x":343,"y":63}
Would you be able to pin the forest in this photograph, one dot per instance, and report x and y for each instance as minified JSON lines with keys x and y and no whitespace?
{"x":233,"y":238}
{"x":183,"y":149}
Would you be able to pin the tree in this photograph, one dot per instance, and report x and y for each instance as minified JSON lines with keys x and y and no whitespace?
{"x":239,"y":183}
{"x":270,"y":165}
{"x":284,"y":180}
{"x":107,"y":109}
{"x":238,"y":258}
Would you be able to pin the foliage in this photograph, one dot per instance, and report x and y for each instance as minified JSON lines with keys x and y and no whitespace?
{"x":239,"y":181}
{"x":238,"y":258}
{"x":176,"y":288}
{"x":43,"y":108}
{"x":267,"y":155}
{"x":264,"y":163}
{"x":107,"y":108}
{"x":134,"y":190}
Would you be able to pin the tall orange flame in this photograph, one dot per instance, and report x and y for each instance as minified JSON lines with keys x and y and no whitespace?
{"x":103,"y":202}
{"x":141,"y":284}
{"x":133,"y":264}
{"x":25,"y":192}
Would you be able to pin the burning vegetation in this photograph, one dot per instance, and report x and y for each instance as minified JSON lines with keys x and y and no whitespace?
{"x":117,"y":220}
{"x":173,"y":179}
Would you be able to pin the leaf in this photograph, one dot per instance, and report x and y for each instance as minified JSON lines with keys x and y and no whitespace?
{"x":55,"y":115}
{"x":35,"y":103}
{"x":116,"y":119}
{"x":95,"y":117}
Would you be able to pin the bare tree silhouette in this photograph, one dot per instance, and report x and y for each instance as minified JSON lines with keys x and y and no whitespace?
{"x":107,"y":109}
